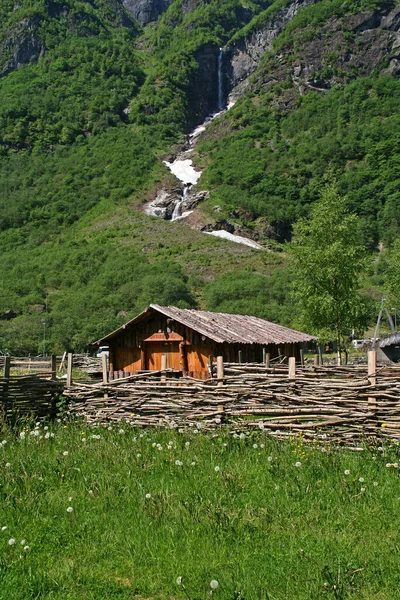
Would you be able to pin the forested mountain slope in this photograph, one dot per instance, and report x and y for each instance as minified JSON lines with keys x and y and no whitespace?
{"x":91,"y":100}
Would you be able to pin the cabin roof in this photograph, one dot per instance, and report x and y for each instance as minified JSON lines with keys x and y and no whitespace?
{"x":222,"y":327}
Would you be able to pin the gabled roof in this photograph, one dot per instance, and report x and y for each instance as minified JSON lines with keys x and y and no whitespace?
{"x":222,"y":327}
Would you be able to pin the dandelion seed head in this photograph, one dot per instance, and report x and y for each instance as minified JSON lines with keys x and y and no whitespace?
{"x":4,"y":527}
{"x":22,"y":435}
{"x":298,"y":464}
{"x":361,"y":480}
{"x":8,"y":465}
{"x":179,"y":580}
{"x":148,"y":496}
{"x":347,"y":472}
{"x":23,"y":542}
{"x":269,"y":459}
{"x":26,"y":548}
{"x":11,"y":542}
{"x":216,"y":469}
{"x":213,"y":584}
{"x":363,"y":489}
{"x":70,"y":509}
{"x":255,"y":446}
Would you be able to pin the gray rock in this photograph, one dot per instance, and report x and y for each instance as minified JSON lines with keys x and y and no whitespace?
{"x":145,"y":11}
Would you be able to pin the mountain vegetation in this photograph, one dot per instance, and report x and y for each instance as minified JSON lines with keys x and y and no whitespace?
{"x":90,"y":104}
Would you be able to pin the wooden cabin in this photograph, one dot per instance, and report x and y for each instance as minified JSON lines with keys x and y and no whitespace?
{"x":189,"y":338}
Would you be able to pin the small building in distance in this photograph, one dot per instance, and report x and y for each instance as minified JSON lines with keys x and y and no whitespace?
{"x":190,"y":337}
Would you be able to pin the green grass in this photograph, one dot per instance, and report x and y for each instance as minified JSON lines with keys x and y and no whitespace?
{"x":261,"y":526}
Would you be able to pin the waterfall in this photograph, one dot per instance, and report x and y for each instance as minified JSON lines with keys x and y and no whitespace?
{"x":221,"y":104}
{"x":177,"y":210}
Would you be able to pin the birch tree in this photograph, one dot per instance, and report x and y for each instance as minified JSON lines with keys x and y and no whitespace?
{"x":327,"y":260}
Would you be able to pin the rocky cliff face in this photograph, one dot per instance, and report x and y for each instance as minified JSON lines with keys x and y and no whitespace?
{"x":145,"y":11}
{"x":242,"y":59}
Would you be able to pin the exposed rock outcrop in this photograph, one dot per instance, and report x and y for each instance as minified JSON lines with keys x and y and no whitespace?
{"x":145,"y":11}
{"x":242,"y":59}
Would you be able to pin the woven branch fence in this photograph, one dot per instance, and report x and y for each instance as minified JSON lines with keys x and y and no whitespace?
{"x":343,"y":403}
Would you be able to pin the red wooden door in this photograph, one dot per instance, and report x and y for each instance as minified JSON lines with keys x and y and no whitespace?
{"x":154,"y":351}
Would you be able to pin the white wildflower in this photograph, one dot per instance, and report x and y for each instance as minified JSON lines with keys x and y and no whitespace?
{"x":261,"y":425}
{"x":179,"y":580}
{"x":216,"y":469}
{"x":83,"y":439}
{"x":363,"y":489}
{"x":148,"y":496}
{"x":214,"y":584}
{"x":298,"y":464}
{"x":11,"y":542}
{"x":187,"y":444}
{"x":255,"y":446}
{"x":121,"y":431}
{"x":90,"y":492}
{"x":4,"y":442}
{"x":375,"y":484}
{"x":4,"y":527}
{"x":47,"y":436}
{"x":22,"y":435}
{"x":361,"y":480}
{"x":193,"y":464}
{"x":52,"y":435}
{"x":388,"y":465}
{"x":65,"y":453}
{"x":269,"y":458}
{"x":8,"y":465}
{"x":45,"y":428}
{"x":347,"y":472}
{"x":70,"y":509}
{"x":26,"y":548}
{"x":23,"y":542}
{"x":262,"y":445}
{"x":178,"y":463}
{"x":138,"y":455}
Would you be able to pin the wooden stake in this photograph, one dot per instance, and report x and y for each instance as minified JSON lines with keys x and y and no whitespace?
{"x":69,"y":369}
{"x":372,"y":404}
{"x":316,"y":360}
{"x":7,"y":366}
{"x":220,"y":378}
{"x":302,"y":357}
{"x":53,"y":366}
{"x":163,"y":368}
{"x":104,"y":367}
{"x":240,"y":356}
{"x":292,"y":368}
{"x":267,"y":360}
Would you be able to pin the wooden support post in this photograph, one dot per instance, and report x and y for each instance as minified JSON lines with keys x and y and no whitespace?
{"x":316,"y":360}
{"x":163,"y":368}
{"x":264,"y":355}
{"x":210,"y":365}
{"x":53,"y":366}
{"x":267,"y":360}
{"x":240,"y":357}
{"x":372,"y":404}
{"x":292,"y":368}
{"x":69,"y":369}
{"x":339,"y":358}
{"x":302,"y":357}
{"x":321,"y":358}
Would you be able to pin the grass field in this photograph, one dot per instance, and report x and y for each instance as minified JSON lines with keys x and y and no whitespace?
{"x":93,"y":513}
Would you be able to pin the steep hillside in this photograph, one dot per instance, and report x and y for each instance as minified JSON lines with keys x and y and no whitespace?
{"x":91,"y":101}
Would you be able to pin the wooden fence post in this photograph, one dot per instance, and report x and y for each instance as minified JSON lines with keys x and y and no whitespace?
{"x":220,"y":378}
{"x":292,"y":368}
{"x":267,"y":360}
{"x":316,"y":360}
{"x":7,"y":366}
{"x":240,"y":357}
{"x":302,"y":357}
{"x":53,"y":367}
{"x":321,"y":359}
{"x":163,"y":368}
{"x":104,"y":367}
{"x":264,"y":351}
{"x":69,"y":369}
{"x":372,"y":404}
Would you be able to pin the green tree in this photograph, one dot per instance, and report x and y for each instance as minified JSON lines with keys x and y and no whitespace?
{"x":327,"y":260}
{"x":392,"y":274}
